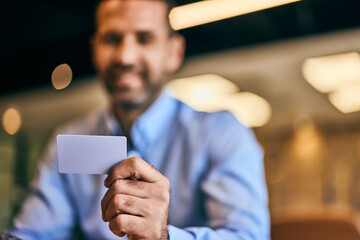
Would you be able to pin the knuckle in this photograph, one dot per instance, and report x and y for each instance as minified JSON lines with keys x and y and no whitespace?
{"x":121,"y":221}
{"x":117,"y":225}
{"x":116,"y":184}
{"x":118,"y":200}
{"x":134,"y":165}
{"x":166,"y":183}
{"x":134,"y":161}
{"x":164,"y":195}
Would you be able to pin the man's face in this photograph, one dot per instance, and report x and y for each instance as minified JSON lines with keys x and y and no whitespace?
{"x":133,"y":51}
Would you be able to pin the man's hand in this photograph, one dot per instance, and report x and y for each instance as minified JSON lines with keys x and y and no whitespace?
{"x":137,"y":200}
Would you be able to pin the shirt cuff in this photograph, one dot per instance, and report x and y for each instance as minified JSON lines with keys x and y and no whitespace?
{"x":179,"y":234}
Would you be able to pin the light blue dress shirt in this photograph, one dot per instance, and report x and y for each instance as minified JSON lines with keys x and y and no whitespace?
{"x":214,"y":165}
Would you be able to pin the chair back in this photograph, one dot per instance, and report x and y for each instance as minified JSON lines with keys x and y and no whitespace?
{"x":316,"y":227}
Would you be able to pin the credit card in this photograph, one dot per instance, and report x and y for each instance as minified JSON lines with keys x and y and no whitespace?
{"x":89,"y":154}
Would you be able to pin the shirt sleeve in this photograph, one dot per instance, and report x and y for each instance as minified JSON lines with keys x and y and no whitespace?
{"x":47,"y":211}
{"x":235,"y":187}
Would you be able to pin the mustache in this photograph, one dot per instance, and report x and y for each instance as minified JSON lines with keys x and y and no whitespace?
{"x":118,"y":69}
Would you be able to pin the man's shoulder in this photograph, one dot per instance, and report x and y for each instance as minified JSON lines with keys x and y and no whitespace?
{"x":219,"y":130}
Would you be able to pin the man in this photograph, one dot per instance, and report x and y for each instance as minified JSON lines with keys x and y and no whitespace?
{"x":209,"y":165}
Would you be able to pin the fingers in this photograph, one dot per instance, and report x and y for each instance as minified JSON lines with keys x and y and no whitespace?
{"x":124,"y":204}
{"x":137,"y":200}
{"x":132,"y":225}
{"x":120,"y":192}
{"x":132,"y":187}
{"x":135,"y":168}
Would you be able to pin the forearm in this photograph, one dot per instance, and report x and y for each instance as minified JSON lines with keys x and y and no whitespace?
{"x":46,"y":213}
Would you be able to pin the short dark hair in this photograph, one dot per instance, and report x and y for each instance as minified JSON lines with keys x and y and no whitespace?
{"x":170,"y":5}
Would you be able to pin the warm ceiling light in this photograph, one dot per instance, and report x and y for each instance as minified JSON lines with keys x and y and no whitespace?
{"x":346,"y":99}
{"x":61,"y":76}
{"x":329,"y":73}
{"x":212,"y":93}
{"x":338,"y":76}
{"x":202,"y":90}
{"x":213,"y":10}
{"x":11,"y":121}
{"x":251,"y":109}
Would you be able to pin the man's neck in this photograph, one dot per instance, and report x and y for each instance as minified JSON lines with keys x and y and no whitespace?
{"x":126,"y":118}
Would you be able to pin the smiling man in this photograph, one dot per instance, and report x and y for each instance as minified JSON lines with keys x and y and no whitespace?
{"x":135,"y":51}
{"x":190,"y":175}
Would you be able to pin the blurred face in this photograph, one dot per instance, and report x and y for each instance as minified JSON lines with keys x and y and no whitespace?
{"x":133,"y":51}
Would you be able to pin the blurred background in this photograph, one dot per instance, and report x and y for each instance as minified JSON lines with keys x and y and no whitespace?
{"x":291,"y":72}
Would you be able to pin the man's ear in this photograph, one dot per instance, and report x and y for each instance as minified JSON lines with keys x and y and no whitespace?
{"x":176,"y":53}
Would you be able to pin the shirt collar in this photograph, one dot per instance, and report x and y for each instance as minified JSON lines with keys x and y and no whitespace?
{"x":152,"y":122}
{"x":112,"y":124}
{"x":149,"y":125}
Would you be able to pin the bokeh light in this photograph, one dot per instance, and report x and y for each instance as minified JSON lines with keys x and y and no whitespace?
{"x":211,"y":92}
{"x":329,"y":73}
{"x":346,"y":99}
{"x":201,"y":91}
{"x":251,"y":109}
{"x":61,"y":76}
{"x":11,"y":121}
{"x":202,"y":12}
{"x":307,"y":143}
{"x":338,"y":76}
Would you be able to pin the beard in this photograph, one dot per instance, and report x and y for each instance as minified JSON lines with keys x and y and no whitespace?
{"x":132,"y":98}
{"x":143,"y":100}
